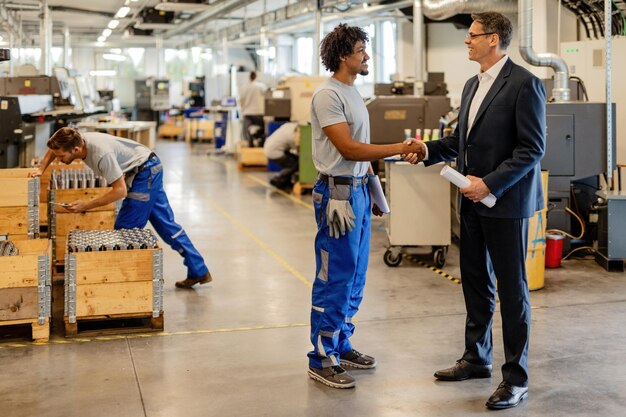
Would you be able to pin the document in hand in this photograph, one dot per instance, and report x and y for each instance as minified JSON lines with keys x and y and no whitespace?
{"x":461,"y":181}
{"x":376,"y":193}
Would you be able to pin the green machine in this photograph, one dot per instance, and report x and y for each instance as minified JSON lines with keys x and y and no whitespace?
{"x":307,"y":172}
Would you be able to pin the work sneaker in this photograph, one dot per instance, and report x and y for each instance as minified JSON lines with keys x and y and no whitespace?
{"x":356,"y":359}
{"x":333,"y":376}
{"x":190,"y":282}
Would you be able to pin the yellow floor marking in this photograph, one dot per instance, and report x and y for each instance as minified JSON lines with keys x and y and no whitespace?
{"x":281,"y":192}
{"x":147,"y":335}
{"x":252,"y":236}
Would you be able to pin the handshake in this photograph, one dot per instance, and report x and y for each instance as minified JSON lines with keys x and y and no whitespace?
{"x":413,"y":151}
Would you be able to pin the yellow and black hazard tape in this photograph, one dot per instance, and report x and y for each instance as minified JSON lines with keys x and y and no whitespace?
{"x":144,"y":335}
{"x":440,"y":272}
{"x":435,"y":270}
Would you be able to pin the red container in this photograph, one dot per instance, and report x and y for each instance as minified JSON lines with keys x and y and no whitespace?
{"x":554,"y":250}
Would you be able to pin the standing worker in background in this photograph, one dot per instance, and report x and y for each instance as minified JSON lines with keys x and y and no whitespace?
{"x":498,"y":143}
{"x":135,"y":175}
{"x":252,"y":108}
{"x":341,"y":154}
{"x":278,"y":149}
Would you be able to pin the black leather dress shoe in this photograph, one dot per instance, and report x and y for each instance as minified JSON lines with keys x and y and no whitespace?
{"x":463,"y":370}
{"x":506,"y":396}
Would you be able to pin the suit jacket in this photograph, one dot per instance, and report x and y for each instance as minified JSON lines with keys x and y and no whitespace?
{"x":505,"y":144}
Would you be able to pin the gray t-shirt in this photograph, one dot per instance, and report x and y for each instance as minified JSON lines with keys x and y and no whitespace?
{"x":283,"y":139}
{"x":335,"y":102}
{"x":110,"y":156}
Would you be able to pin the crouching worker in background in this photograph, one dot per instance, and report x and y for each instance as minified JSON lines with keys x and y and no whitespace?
{"x":278,"y":149}
{"x":135,"y":175}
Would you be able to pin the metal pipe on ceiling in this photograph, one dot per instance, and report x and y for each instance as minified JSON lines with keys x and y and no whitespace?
{"x":217,"y":9}
{"x":444,"y":9}
{"x":561,"y":90}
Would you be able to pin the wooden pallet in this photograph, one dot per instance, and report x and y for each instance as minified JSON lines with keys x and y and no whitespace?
{"x":9,"y":329}
{"x":301,"y":188}
{"x":113,"y":324}
{"x":252,"y":159}
{"x":246,"y":167}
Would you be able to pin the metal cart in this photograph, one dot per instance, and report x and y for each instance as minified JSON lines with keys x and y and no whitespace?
{"x":419,"y":199}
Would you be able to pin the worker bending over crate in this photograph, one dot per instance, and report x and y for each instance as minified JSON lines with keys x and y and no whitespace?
{"x":135,"y":174}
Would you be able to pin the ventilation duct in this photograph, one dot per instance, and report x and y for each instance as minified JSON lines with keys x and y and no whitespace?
{"x":444,"y":9}
{"x":561,"y":73}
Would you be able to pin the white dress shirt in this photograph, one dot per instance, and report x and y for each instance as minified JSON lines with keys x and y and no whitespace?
{"x":485,"y":81}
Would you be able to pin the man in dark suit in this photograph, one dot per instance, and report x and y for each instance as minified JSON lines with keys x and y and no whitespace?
{"x":498,"y":143}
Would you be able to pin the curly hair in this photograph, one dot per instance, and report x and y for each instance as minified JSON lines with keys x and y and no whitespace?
{"x":65,"y":139}
{"x":496,"y":23}
{"x":340,"y":43}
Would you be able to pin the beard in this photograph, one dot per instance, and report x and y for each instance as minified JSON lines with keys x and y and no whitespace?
{"x":364,"y":72}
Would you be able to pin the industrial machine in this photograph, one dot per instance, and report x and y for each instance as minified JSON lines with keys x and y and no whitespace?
{"x":575,"y":157}
{"x":17,"y":134}
{"x":195,"y":93}
{"x":391,"y":115}
{"x":394,"y":108}
{"x":278,"y":103}
{"x":435,"y":86}
{"x":291,"y":100}
{"x":40,"y":84}
{"x":152,"y":96}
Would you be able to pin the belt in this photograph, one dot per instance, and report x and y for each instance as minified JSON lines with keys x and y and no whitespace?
{"x":144,"y":165}
{"x":345,"y":180}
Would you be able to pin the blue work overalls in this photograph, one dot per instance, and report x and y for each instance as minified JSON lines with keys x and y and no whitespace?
{"x":341,"y":266}
{"x":146,"y":200}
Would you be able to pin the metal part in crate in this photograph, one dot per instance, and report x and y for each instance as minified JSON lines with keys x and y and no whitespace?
{"x":419,"y":200}
{"x":7,"y":248}
{"x":103,"y":240}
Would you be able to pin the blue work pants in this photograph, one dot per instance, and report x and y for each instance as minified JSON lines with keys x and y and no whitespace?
{"x":341,"y":266}
{"x":146,"y":200}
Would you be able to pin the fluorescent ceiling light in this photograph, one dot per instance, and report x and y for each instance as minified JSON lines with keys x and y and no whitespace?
{"x":107,"y":32}
{"x":168,"y":6}
{"x":122,"y":12}
{"x":115,"y":51}
{"x":113,"y":24}
{"x":103,"y":73}
{"x":101,"y":39}
{"x":114,"y":57}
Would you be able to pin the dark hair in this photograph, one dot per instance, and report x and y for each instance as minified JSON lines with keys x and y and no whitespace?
{"x":252,"y":76}
{"x":65,"y":139}
{"x":496,"y":23}
{"x":340,"y":43}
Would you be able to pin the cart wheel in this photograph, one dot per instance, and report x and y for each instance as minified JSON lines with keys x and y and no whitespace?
{"x":439,"y":257}
{"x":391,"y":259}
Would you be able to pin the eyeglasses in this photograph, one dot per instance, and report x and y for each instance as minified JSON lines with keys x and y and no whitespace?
{"x":475,"y":35}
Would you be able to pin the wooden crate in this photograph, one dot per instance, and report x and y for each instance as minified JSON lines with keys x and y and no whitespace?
{"x":44,"y":186}
{"x":113,"y":285}
{"x":252,"y":158}
{"x":19,"y":204}
{"x":62,"y":221}
{"x":199,"y":129}
{"x":25,"y":287}
{"x":171,"y":130}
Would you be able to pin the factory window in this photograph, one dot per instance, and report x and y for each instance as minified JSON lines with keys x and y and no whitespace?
{"x":137,"y":57}
{"x":304,"y":55}
{"x":388,"y":52}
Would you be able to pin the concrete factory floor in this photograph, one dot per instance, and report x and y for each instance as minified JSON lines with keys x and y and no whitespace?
{"x":237,"y":346}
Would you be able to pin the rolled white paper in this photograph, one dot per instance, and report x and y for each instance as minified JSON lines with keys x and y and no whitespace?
{"x":461,"y":181}
{"x":376,"y":193}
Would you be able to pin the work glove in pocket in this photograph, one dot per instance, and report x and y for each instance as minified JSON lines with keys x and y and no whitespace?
{"x":339,"y":215}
